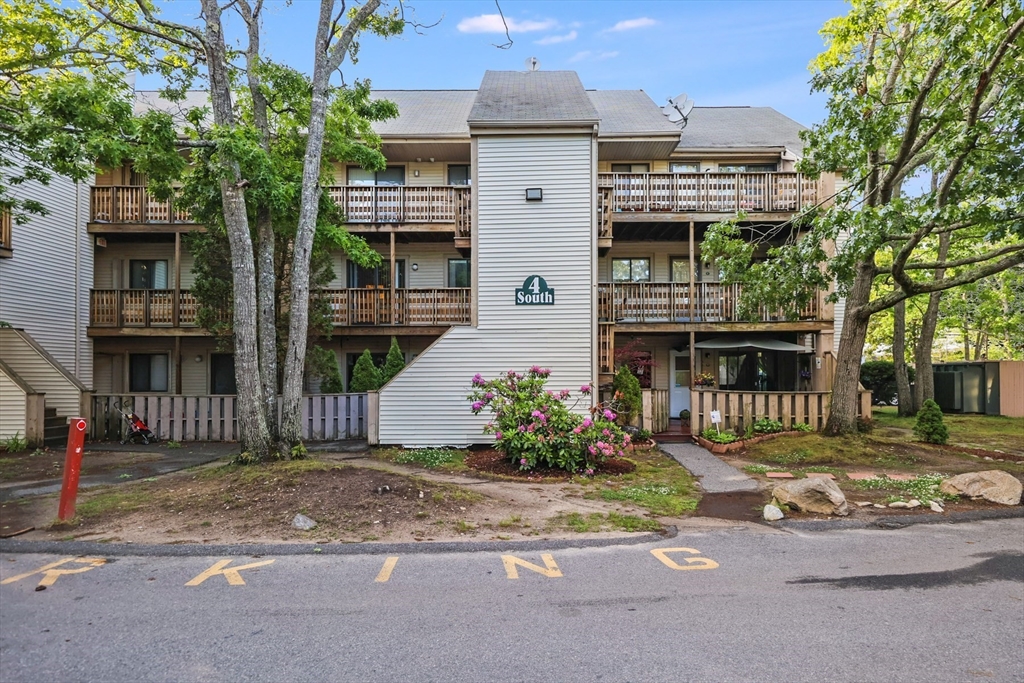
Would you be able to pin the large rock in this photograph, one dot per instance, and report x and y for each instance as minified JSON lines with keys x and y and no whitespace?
{"x":992,"y":485}
{"x":814,"y":494}
{"x":772,"y":513}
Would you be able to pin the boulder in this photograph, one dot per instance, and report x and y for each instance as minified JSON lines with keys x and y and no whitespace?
{"x":772,"y":513}
{"x":303,"y":522}
{"x":992,"y":485}
{"x":814,"y":494}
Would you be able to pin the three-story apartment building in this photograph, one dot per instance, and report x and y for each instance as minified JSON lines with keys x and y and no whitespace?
{"x":528,"y":222}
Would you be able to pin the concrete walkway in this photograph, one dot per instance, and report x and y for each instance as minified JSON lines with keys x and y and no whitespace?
{"x":715,"y":475}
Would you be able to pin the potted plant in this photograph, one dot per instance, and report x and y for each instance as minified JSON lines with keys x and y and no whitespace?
{"x":684,"y":420}
{"x":704,"y":379}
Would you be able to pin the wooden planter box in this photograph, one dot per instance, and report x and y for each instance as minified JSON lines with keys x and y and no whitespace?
{"x":718,"y":448}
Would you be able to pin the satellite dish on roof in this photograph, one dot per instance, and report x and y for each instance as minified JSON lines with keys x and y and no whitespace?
{"x":678,"y":109}
{"x":532,"y":64}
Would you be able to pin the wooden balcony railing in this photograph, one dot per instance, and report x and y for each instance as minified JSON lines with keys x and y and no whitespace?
{"x":710,"y":192}
{"x":406,"y":204}
{"x":419,"y":306}
{"x":658,"y":302}
{"x":156,"y":307}
{"x":132,"y":204}
{"x":6,"y":228}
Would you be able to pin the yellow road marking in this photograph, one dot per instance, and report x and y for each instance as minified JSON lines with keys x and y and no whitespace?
{"x":229,"y":573}
{"x":549,"y":570}
{"x":691,"y":562}
{"x":50,"y":573}
{"x":385,"y":571}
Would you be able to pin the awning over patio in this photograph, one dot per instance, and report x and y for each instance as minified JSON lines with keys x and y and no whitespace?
{"x":743,"y":343}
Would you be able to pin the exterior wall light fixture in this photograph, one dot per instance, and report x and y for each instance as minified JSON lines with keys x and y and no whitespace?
{"x":534,"y":194}
{"x":415,"y":266}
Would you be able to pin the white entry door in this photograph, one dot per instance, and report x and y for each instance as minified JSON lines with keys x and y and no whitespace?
{"x":679,"y":382}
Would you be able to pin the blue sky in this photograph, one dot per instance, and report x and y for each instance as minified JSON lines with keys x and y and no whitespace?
{"x":720,"y":53}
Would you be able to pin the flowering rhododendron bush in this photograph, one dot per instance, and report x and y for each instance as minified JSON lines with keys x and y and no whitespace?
{"x":534,"y":427}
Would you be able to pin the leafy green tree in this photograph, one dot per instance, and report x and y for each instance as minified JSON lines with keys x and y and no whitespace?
{"x":628,"y":393}
{"x":394,"y":363}
{"x":323,"y":363}
{"x":365,"y":375}
{"x":922,"y":88}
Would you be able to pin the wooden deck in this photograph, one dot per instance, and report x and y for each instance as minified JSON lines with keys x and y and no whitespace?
{"x":779,"y":192}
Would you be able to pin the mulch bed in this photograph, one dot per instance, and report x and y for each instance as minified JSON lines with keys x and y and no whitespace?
{"x":494,"y":462}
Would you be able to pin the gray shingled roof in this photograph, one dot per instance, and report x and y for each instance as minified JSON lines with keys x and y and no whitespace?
{"x":740,"y":127}
{"x":629,"y":112}
{"x":531,"y":96}
{"x":147,"y":100}
{"x":427,"y":113}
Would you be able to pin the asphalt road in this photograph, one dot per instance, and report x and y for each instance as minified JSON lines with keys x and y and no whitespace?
{"x":924,"y":603}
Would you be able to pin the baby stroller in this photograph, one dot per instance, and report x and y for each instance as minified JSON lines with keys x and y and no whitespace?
{"x":135,"y":428}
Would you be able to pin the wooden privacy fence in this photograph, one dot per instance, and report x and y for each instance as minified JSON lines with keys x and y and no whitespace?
{"x":325,"y":417}
{"x":655,"y":414}
{"x":741,"y":408}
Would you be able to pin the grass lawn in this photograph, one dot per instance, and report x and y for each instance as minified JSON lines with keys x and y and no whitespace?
{"x":987,"y":432}
{"x":659,"y":485}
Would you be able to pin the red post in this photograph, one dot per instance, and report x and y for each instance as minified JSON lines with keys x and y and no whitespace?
{"x":72,"y":468}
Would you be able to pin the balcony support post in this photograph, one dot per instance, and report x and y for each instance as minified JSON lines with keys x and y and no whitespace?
{"x":393,"y":278}
{"x":176,"y":309}
{"x":693,"y":292}
{"x":177,"y":364}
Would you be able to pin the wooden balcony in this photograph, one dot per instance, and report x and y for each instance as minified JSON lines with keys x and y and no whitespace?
{"x":445,"y":206}
{"x":722,"y":193}
{"x":129,"y":205}
{"x":160,"y":308}
{"x":672,"y":302}
{"x":6,"y":228}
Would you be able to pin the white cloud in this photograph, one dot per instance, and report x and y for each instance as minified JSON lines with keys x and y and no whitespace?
{"x":492,"y":23}
{"x":630,"y":24}
{"x":551,"y":40}
{"x":589,"y":56}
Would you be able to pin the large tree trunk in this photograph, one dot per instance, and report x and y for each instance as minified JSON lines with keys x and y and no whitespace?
{"x":252,"y":425}
{"x":842,"y":417}
{"x":924,"y":382}
{"x":904,"y":397}
{"x":267,"y":284}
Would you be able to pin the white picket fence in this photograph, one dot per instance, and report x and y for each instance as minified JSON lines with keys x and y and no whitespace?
{"x":325,"y":417}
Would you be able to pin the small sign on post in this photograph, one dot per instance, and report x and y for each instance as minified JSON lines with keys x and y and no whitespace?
{"x":72,"y":468}
{"x":716,"y":419}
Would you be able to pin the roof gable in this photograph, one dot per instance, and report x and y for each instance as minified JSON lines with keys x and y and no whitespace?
{"x":523,"y":97}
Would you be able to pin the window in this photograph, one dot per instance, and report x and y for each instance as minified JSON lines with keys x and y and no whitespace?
{"x":373,"y":278}
{"x":746,"y":168}
{"x":389,"y":176}
{"x":147,"y":372}
{"x":732,"y":370}
{"x":684,"y":167}
{"x":631,"y":269}
{"x":459,"y":175}
{"x":458,"y":272}
{"x":631,"y":168}
{"x":680,"y":270}
{"x":222,"y":373}
{"x":147,"y":274}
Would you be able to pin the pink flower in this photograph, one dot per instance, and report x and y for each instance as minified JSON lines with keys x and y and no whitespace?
{"x":478,"y":380}
{"x":477,"y":405}
{"x":564,"y":393}
{"x":576,"y":430}
{"x":530,"y":428}
{"x":489,"y":395}
{"x":522,"y":428}
{"x":497,"y":435}
{"x":587,"y":422}
{"x":625,"y":439}
{"x":592,"y":450}
{"x":522,"y":461}
{"x":589,"y":471}
{"x":585,"y":389}
{"x":605,"y":432}
{"x":608,"y":415}
{"x":620,"y":454}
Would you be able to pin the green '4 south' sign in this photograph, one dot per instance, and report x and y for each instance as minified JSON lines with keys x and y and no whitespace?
{"x":535,"y":292}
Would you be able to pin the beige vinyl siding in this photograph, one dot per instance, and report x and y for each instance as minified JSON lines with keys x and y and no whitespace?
{"x":431,"y":259}
{"x":39,"y":373}
{"x":44,"y":288}
{"x":554,"y":239}
{"x":660,"y":253}
{"x":112,"y":263}
{"x":12,"y":407}
{"x":431,"y":173}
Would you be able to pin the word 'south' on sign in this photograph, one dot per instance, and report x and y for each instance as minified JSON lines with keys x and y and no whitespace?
{"x":535,"y":292}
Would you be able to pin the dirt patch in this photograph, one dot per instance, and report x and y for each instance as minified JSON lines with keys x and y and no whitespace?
{"x":490,"y":461}
{"x":744,"y":506}
{"x":373,"y":502}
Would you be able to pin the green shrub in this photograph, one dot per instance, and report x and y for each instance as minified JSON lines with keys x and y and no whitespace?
{"x":394,"y":363}
{"x":879,"y":377}
{"x":365,"y":375}
{"x":428,"y":457}
{"x":802,"y":427}
{"x":323,"y":363}
{"x":627,"y":394}
{"x":713,"y":435}
{"x":767,"y":426}
{"x":930,"y":427}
